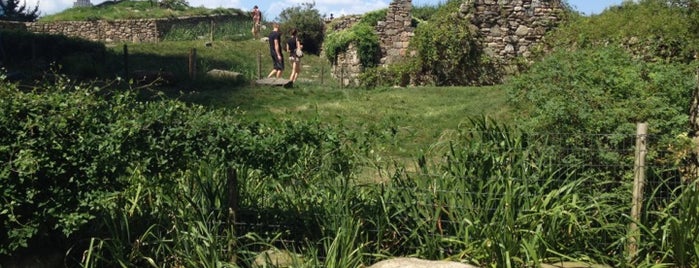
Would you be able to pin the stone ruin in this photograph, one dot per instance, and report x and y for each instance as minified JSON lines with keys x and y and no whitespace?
{"x":508,"y":29}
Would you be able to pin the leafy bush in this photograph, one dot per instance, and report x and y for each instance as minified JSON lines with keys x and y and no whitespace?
{"x":602,"y":90}
{"x":307,"y":20}
{"x":448,"y":50}
{"x":650,"y":29}
{"x":362,"y":35}
{"x":12,"y":10}
{"x":69,"y":148}
{"x":395,"y":74}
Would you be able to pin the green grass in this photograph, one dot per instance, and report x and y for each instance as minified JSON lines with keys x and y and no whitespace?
{"x":132,"y":10}
{"x":411,"y":119}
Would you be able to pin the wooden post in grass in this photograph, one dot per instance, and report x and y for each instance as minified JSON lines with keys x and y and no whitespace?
{"x":639,"y":180}
{"x":193,"y":64}
{"x":259,"y":65}
{"x":126,"y":62}
{"x":211,"y":32}
{"x":233,"y":195}
{"x":342,"y":76}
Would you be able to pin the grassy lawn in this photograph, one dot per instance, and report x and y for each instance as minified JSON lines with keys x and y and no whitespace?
{"x":409,"y":120}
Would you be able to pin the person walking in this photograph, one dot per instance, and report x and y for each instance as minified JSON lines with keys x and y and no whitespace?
{"x":275,"y":50}
{"x":293,"y":46}
{"x":256,"y":20}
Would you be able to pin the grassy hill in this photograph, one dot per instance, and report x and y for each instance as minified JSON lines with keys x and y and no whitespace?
{"x":114,"y":10}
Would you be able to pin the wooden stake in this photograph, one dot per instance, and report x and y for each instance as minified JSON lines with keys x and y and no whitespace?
{"x":639,"y":180}
{"x":193,"y":64}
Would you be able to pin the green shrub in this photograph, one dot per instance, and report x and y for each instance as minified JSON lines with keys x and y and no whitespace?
{"x":397,"y":74}
{"x":602,"y":90}
{"x":70,"y":148}
{"x":650,"y":29}
{"x":362,"y":35}
{"x":448,"y":50}
{"x":307,"y":20}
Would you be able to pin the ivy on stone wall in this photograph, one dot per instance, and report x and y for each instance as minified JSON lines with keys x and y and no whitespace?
{"x":362,"y":35}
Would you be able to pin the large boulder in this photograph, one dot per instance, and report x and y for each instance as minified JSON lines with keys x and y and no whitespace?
{"x":418,"y":263}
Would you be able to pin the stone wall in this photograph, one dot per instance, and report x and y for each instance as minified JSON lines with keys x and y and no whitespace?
{"x":394,"y":37}
{"x":395,"y":32}
{"x":142,"y":30}
{"x":507,"y":28}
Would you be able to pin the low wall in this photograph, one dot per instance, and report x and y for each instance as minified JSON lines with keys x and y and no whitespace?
{"x":141,"y":30}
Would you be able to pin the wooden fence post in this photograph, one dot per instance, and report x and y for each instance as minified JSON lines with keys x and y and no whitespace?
{"x":259,"y":65}
{"x":211,"y":32}
{"x":126,"y":62}
{"x":233,"y":195}
{"x":639,"y":180}
{"x":193,"y":64}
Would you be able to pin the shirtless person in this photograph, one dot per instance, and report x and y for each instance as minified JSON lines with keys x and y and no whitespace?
{"x":256,"y":20}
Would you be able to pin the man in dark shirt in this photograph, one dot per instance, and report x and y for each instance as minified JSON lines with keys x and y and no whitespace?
{"x":275,"y":50}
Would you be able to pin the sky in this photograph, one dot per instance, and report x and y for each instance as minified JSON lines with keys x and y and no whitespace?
{"x":271,"y":8}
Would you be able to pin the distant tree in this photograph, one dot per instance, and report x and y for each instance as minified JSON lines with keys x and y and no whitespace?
{"x":11,"y":10}
{"x":308,"y":21}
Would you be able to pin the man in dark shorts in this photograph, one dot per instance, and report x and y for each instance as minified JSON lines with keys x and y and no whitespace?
{"x":275,"y":50}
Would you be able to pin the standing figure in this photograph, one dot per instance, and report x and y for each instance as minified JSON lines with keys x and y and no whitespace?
{"x":275,"y":50}
{"x":256,"y":20}
{"x":293,"y":46}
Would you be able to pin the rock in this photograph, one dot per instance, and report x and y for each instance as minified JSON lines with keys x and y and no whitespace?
{"x":418,"y":263}
{"x":275,"y":258}
{"x":275,"y":82}
{"x":223,"y":74}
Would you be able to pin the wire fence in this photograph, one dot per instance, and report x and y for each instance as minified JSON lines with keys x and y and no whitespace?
{"x":437,"y":194}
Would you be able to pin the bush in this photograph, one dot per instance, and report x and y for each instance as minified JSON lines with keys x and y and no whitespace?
{"x":449,"y":51}
{"x":362,"y":35}
{"x":651,"y":30}
{"x":307,"y":20}
{"x":602,"y":90}
{"x":69,"y":148}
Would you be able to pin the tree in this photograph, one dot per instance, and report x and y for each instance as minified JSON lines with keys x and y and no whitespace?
{"x":11,"y":10}
{"x":307,"y":20}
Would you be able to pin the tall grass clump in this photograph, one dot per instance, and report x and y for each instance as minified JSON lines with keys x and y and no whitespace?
{"x":234,"y":30}
{"x":497,"y":199}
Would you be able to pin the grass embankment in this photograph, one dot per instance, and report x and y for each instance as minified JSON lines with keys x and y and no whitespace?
{"x":133,"y":10}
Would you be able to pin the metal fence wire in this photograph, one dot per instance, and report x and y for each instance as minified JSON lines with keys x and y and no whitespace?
{"x":437,"y":202}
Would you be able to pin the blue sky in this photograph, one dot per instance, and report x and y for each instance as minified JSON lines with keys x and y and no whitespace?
{"x":272,"y":8}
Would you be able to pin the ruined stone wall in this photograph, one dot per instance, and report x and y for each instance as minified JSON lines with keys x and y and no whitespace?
{"x":395,"y":32}
{"x":142,"y":30}
{"x":507,"y":28}
{"x":394,"y":37}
